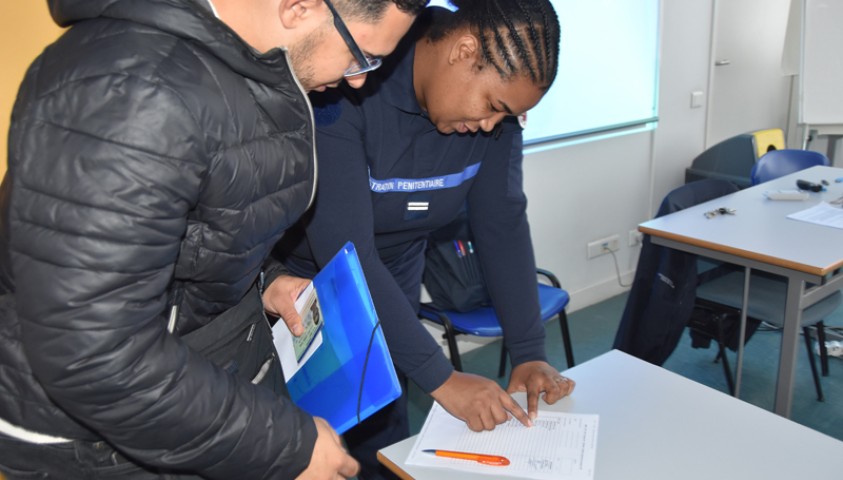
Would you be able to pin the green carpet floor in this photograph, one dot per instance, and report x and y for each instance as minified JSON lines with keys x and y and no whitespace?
{"x":593,"y":330}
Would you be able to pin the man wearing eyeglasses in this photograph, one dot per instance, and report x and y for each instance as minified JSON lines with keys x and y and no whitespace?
{"x":158,"y":149}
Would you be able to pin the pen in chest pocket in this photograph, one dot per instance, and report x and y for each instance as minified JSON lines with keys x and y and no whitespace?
{"x":472,"y":262}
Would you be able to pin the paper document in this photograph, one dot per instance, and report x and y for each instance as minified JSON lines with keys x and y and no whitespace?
{"x":293,"y":352}
{"x":558,"y":445}
{"x":821,"y":214}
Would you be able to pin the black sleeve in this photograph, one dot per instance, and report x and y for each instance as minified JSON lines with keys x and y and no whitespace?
{"x":497,"y":209}
{"x":92,"y":266}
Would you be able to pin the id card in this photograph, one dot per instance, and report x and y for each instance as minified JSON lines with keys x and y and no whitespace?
{"x":293,"y":352}
{"x":311,"y":317}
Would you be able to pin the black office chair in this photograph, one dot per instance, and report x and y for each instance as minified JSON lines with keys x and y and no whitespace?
{"x":661,"y":300}
{"x":483,"y":322}
{"x":722,"y":296}
{"x":673,"y":290}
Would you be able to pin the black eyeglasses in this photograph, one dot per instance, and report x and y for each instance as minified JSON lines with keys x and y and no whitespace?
{"x":363,"y":63}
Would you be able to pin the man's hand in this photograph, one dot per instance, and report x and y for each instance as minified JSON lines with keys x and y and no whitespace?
{"x":329,"y":459}
{"x":279,"y":299}
{"x":479,"y":402}
{"x":535,"y":378}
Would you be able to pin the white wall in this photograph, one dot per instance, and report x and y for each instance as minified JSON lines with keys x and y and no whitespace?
{"x":583,"y":192}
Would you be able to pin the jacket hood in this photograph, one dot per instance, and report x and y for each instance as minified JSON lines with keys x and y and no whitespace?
{"x":188,"y":19}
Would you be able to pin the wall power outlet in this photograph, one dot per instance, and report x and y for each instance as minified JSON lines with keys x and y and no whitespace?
{"x":603,"y":246}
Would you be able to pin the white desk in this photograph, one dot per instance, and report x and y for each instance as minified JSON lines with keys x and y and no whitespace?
{"x":759,"y":236}
{"x":657,"y":425}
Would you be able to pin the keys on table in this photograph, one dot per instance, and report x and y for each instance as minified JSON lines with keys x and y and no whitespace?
{"x":719,"y":211}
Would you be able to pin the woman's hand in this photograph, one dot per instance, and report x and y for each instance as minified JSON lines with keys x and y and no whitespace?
{"x":536,"y":378}
{"x":481,"y":403}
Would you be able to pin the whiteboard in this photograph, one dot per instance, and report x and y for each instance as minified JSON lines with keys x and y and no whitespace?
{"x":821,"y":69}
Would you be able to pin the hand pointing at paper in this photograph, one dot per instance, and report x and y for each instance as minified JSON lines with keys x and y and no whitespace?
{"x":481,"y":403}
{"x":536,"y":378}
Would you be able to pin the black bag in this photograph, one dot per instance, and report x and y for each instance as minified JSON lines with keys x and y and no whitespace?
{"x":706,"y":326}
{"x":239,"y":341}
{"x":453,"y":277}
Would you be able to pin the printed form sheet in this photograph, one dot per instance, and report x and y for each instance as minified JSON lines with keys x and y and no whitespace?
{"x":558,"y":445}
{"x":822,"y":214}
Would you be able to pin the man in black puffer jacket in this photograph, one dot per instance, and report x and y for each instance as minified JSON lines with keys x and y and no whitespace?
{"x":158,"y":150}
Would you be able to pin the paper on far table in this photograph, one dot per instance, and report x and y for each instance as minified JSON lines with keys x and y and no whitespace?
{"x":558,"y":445}
{"x":822,"y":214}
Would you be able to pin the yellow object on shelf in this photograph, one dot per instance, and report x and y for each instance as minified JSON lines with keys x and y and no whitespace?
{"x":766,"y":140}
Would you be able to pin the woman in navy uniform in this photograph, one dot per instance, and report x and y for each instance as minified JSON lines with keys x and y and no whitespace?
{"x":432,"y":131}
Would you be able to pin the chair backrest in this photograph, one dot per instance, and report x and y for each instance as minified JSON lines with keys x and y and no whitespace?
{"x":662,"y":296}
{"x":694,"y":193}
{"x":777,"y":163}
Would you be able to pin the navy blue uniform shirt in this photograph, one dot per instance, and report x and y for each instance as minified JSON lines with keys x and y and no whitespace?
{"x":387,"y":178}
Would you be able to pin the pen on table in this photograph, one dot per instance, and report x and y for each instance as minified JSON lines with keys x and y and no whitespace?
{"x":496,"y":460}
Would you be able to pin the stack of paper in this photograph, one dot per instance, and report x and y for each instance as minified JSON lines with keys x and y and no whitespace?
{"x":558,"y":445}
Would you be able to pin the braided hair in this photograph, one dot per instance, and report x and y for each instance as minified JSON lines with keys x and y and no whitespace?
{"x":517,"y":37}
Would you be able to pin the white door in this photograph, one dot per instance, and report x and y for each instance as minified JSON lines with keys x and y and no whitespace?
{"x":748,"y":89}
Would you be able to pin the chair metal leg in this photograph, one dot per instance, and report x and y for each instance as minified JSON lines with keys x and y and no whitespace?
{"x":502,"y":367}
{"x":563,"y":319}
{"x":566,"y":338}
{"x":721,"y":354}
{"x":813,"y":363}
{"x":821,"y":339}
{"x":451,"y":336}
{"x":727,"y":370}
{"x":566,"y":343}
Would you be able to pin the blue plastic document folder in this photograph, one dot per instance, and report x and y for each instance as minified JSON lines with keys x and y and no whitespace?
{"x":346,"y":379}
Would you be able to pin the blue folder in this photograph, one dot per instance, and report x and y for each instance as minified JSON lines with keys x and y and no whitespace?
{"x":346,"y":379}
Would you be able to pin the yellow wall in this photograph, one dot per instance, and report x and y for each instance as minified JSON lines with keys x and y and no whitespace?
{"x":25,"y":29}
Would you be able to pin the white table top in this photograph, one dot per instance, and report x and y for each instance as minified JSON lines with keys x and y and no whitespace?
{"x":760,"y":229}
{"x":657,"y":425}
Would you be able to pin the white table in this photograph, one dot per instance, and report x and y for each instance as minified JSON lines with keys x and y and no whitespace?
{"x":760,"y":236}
{"x":657,"y":425}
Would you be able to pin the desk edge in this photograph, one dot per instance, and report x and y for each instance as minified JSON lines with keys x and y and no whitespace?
{"x":393,"y":467}
{"x":800,"y":267}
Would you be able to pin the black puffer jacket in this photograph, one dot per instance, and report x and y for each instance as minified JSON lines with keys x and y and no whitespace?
{"x":148,"y":144}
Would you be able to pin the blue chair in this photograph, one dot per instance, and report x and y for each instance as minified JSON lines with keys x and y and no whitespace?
{"x":483,"y":322}
{"x":778,"y":163}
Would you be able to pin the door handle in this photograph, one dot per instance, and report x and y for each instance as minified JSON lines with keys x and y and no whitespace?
{"x":722,"y":63}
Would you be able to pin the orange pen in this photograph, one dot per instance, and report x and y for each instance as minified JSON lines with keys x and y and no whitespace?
{"x":477,"y":457}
